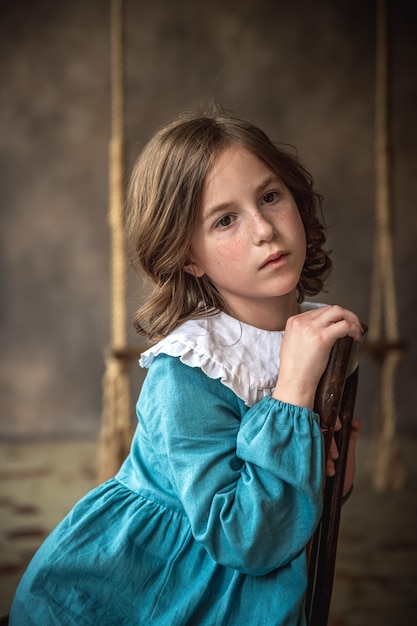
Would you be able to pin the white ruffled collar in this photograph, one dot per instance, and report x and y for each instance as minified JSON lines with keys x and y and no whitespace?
{"x":243,"y":357}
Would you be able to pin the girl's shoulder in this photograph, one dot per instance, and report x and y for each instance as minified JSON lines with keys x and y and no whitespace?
{"x":244,"y":358}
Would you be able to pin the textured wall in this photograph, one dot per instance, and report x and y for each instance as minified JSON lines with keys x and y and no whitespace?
{"x":302,"y":70}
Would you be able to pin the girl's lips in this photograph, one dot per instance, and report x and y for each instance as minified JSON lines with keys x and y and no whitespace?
{"x":274,"y":259}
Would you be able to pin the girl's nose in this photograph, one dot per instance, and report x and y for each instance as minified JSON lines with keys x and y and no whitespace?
{"x":262,"y":228}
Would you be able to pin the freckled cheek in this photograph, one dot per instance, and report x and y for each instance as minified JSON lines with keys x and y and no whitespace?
{"x":296,"y":227}
{"x":303,"y":238}
{"x":233,"y":250}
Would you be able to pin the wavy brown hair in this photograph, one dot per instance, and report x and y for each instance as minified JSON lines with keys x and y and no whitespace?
{"x":163,"y":205}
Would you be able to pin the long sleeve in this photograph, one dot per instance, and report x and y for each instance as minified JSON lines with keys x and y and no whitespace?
{"x":205,"y":523}
{"x":249,"y":479}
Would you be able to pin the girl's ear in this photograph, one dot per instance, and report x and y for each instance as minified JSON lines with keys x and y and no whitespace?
{"x":191,"y":267}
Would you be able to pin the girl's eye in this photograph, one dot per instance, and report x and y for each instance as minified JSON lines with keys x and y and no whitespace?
{"x":224,"y":221}
{"x":270,"y":197}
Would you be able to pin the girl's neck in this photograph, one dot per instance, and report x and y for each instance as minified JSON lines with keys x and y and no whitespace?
{"x":271,"y":314}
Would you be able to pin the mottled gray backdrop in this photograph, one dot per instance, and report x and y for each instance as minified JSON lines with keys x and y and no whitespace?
{"x":303,"y":70}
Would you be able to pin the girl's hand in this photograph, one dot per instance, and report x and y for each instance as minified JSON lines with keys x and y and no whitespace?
{"x":355,"y":427}
{"x":305,"y":350}
{"x":333,"y":452}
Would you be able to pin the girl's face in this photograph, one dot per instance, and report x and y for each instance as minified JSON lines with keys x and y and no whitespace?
{"x":249,"y":240}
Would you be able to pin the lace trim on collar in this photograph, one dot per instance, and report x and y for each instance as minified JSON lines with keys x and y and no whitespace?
{"x":244,"y":358}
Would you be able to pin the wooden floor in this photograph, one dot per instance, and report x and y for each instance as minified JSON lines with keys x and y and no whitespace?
{"x":376,"y":575}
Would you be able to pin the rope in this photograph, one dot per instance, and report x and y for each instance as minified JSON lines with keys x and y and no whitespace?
{"x":115,"y":433}
{"x":383,"y":336}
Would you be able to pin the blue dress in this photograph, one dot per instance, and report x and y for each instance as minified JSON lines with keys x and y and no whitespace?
{"x":207,"y":520}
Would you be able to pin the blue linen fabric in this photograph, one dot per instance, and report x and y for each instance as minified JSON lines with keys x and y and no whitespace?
{"x":205,"y":524}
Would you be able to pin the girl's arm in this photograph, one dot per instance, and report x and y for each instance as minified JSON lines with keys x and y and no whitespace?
{"x":249,"y":480}
{"x":308,"y":340}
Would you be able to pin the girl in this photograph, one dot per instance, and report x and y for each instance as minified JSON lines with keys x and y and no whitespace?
{"x":207,"y":521}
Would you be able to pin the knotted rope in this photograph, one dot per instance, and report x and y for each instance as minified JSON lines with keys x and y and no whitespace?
{"x":383,"y":336}
{"x":115,"y":436}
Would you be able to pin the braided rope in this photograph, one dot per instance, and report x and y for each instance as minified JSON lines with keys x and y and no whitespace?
{"x":116,"y":174}
{"x":389,"y":472}
{"x":115,"y":433}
